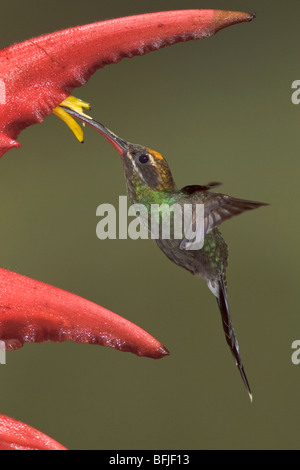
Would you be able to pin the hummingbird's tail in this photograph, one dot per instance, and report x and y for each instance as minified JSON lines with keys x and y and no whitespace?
{"x":229,"y":332}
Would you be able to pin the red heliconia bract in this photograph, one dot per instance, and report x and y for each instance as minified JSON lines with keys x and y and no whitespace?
{"x":38,"y":74}
{"x":31,"y":311}
{"x":15,"y":435}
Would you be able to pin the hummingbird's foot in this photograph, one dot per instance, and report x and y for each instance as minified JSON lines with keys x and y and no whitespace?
{"x":77,"y":105}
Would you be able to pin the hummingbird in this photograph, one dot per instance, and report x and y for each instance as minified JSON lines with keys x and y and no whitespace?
{"x":149,"y":181}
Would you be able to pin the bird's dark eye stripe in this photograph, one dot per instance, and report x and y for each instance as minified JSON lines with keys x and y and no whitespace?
{"x":143,"y":158}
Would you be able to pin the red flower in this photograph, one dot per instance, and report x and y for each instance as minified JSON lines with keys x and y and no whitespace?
{"x":15,"y":435}
{"x":31,"y":311}
{"x":37,"y":75}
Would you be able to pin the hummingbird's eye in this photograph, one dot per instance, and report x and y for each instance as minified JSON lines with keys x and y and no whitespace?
{"x":143,"y":158}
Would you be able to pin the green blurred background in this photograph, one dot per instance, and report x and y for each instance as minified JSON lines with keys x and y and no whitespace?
{"x":218,"y":109}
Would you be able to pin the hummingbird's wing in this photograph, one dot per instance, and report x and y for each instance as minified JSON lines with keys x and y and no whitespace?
{"x":220,"y":207}
{"x":191,"y":189}
{"x":229,"y":331}
{"x":217,"y":209}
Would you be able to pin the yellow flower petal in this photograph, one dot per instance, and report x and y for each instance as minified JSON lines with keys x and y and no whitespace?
{"x":77,"y":105}
{"x":71,"y":123}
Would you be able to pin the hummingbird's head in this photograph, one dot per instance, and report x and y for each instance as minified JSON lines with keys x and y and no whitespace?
{"x":142,"y":165}
{"x":147,"y":167}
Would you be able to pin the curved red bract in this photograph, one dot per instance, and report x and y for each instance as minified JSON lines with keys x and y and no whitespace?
{"x":38,"y":74}
{"x":31,"y":311}
{"x":15,"y":435}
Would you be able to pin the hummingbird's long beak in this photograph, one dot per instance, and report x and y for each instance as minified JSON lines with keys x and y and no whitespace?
{"x":120,"y":145}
